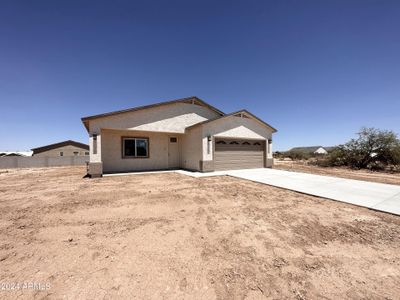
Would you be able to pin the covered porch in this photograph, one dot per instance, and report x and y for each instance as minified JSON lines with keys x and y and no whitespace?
{"x":116,"y":150}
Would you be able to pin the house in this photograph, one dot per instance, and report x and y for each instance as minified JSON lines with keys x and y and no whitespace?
{"x":66,"y":148}
{"x":310,"y":150}
{"x":186,"y":133}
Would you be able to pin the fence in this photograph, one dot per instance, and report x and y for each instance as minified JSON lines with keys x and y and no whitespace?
{"x":10,"y":162}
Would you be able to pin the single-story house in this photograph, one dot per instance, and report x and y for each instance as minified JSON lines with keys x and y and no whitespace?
{"x":186,"y":133}
{"x":310,"y":150}
{"x":66,"y":148}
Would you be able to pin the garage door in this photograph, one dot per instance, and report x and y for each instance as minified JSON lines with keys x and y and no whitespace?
{"x":231,"y":154}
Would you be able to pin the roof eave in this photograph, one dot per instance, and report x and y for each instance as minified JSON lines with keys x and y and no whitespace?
{"x":87,"y":118}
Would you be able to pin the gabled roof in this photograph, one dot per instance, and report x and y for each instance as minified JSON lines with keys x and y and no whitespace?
{"x":192,"y":99}
{"x":58,"y":145}
{"x":243,"y":111}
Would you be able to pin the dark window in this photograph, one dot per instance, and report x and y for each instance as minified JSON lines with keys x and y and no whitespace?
{"x":245,"y":143}
{"x":221,"y":142}
{"x":257,"y":144}
{"x":141,"y":148}
{"x":234,"y":143}
{"x":173,"y":139}
{"x":61,"y":153}
{"x":135,"y":147}
{"x":86,"y":153}
{"x":76,"y":152}
{"x":129,"y":147}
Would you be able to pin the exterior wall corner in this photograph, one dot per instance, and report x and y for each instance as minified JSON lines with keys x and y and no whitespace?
{"x":206,"y":165}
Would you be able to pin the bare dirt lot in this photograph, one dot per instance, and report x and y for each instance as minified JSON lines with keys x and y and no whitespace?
{"x":382,"y":177}
{"x":170,"y":236}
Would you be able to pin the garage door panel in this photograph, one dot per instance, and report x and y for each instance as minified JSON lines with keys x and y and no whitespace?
{"x":238,"y":154}
{"x":235,"y":149}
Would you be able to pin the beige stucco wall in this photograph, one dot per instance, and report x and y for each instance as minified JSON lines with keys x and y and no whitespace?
{"x":111,"y":151}
{"x":192,"y":149}
{"x":67,"y":150}
{"x":236,"y":127}
{"x":166,"y":118}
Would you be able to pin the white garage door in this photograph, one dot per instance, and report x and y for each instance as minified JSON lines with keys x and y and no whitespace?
{"x":231,"y":154}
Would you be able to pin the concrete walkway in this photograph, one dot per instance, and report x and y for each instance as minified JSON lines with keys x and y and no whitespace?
{"x":378,"y":196}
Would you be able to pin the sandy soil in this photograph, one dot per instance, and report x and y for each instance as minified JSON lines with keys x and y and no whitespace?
{"x":176,"y":237}
{"x":382,"y":177}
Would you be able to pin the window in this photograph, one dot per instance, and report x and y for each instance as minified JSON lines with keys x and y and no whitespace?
{"x":76,"y":153}
{"x":135,"y":147}
{"x":234,"y":143}
{"x":221,"y":143}
{"x":173,"y":139}
{"x":257,"y":144}
{"x":61,"y":153}
{"x":245,"y":143}
{"x":86,"y":153}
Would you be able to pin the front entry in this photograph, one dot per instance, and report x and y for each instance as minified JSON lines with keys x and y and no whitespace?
{"x":173,"y":152}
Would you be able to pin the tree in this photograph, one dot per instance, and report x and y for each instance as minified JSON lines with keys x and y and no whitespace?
{"x":373,"y":149}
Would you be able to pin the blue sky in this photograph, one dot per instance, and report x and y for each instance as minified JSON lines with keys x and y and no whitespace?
{"x":315,"y":70}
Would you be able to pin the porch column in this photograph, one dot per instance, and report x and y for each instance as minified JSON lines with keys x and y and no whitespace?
{"x":95,"y":164}
{"x":269,"y":156}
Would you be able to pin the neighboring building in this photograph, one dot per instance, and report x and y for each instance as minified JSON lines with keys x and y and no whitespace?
{"x":310,"y":150}
{"x":185,"y":133}
{"x":66,"y":148}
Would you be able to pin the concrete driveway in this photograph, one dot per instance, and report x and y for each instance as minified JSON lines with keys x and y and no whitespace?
{"x":378,"y":196}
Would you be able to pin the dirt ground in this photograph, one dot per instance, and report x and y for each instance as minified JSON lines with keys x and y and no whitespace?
{"x":382,"y":177}
{"x":171,"y":236}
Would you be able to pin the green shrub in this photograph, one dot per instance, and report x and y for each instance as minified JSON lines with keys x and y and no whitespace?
{"x":373,"y":149}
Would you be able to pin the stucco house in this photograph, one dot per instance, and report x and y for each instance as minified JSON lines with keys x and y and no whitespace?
{"x":186,"y":133}
{"x":65,"y":148}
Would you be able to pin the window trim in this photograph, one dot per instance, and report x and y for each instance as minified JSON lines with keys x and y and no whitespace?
{"x":123,"y":138}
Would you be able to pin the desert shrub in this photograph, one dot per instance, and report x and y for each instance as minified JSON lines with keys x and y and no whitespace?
{"x":373,"y":149}
{"x":278,"y":154}
{"x":297,"y":155}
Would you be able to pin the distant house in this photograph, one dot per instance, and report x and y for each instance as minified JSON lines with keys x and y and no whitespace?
{"x":311,"y":150}
{"x":66,"y":148}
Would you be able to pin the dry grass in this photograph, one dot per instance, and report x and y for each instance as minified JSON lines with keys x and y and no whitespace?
{"x":175,"y":237}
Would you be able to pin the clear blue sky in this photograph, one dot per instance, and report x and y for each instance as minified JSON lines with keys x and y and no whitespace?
{"x":316,"y":70}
